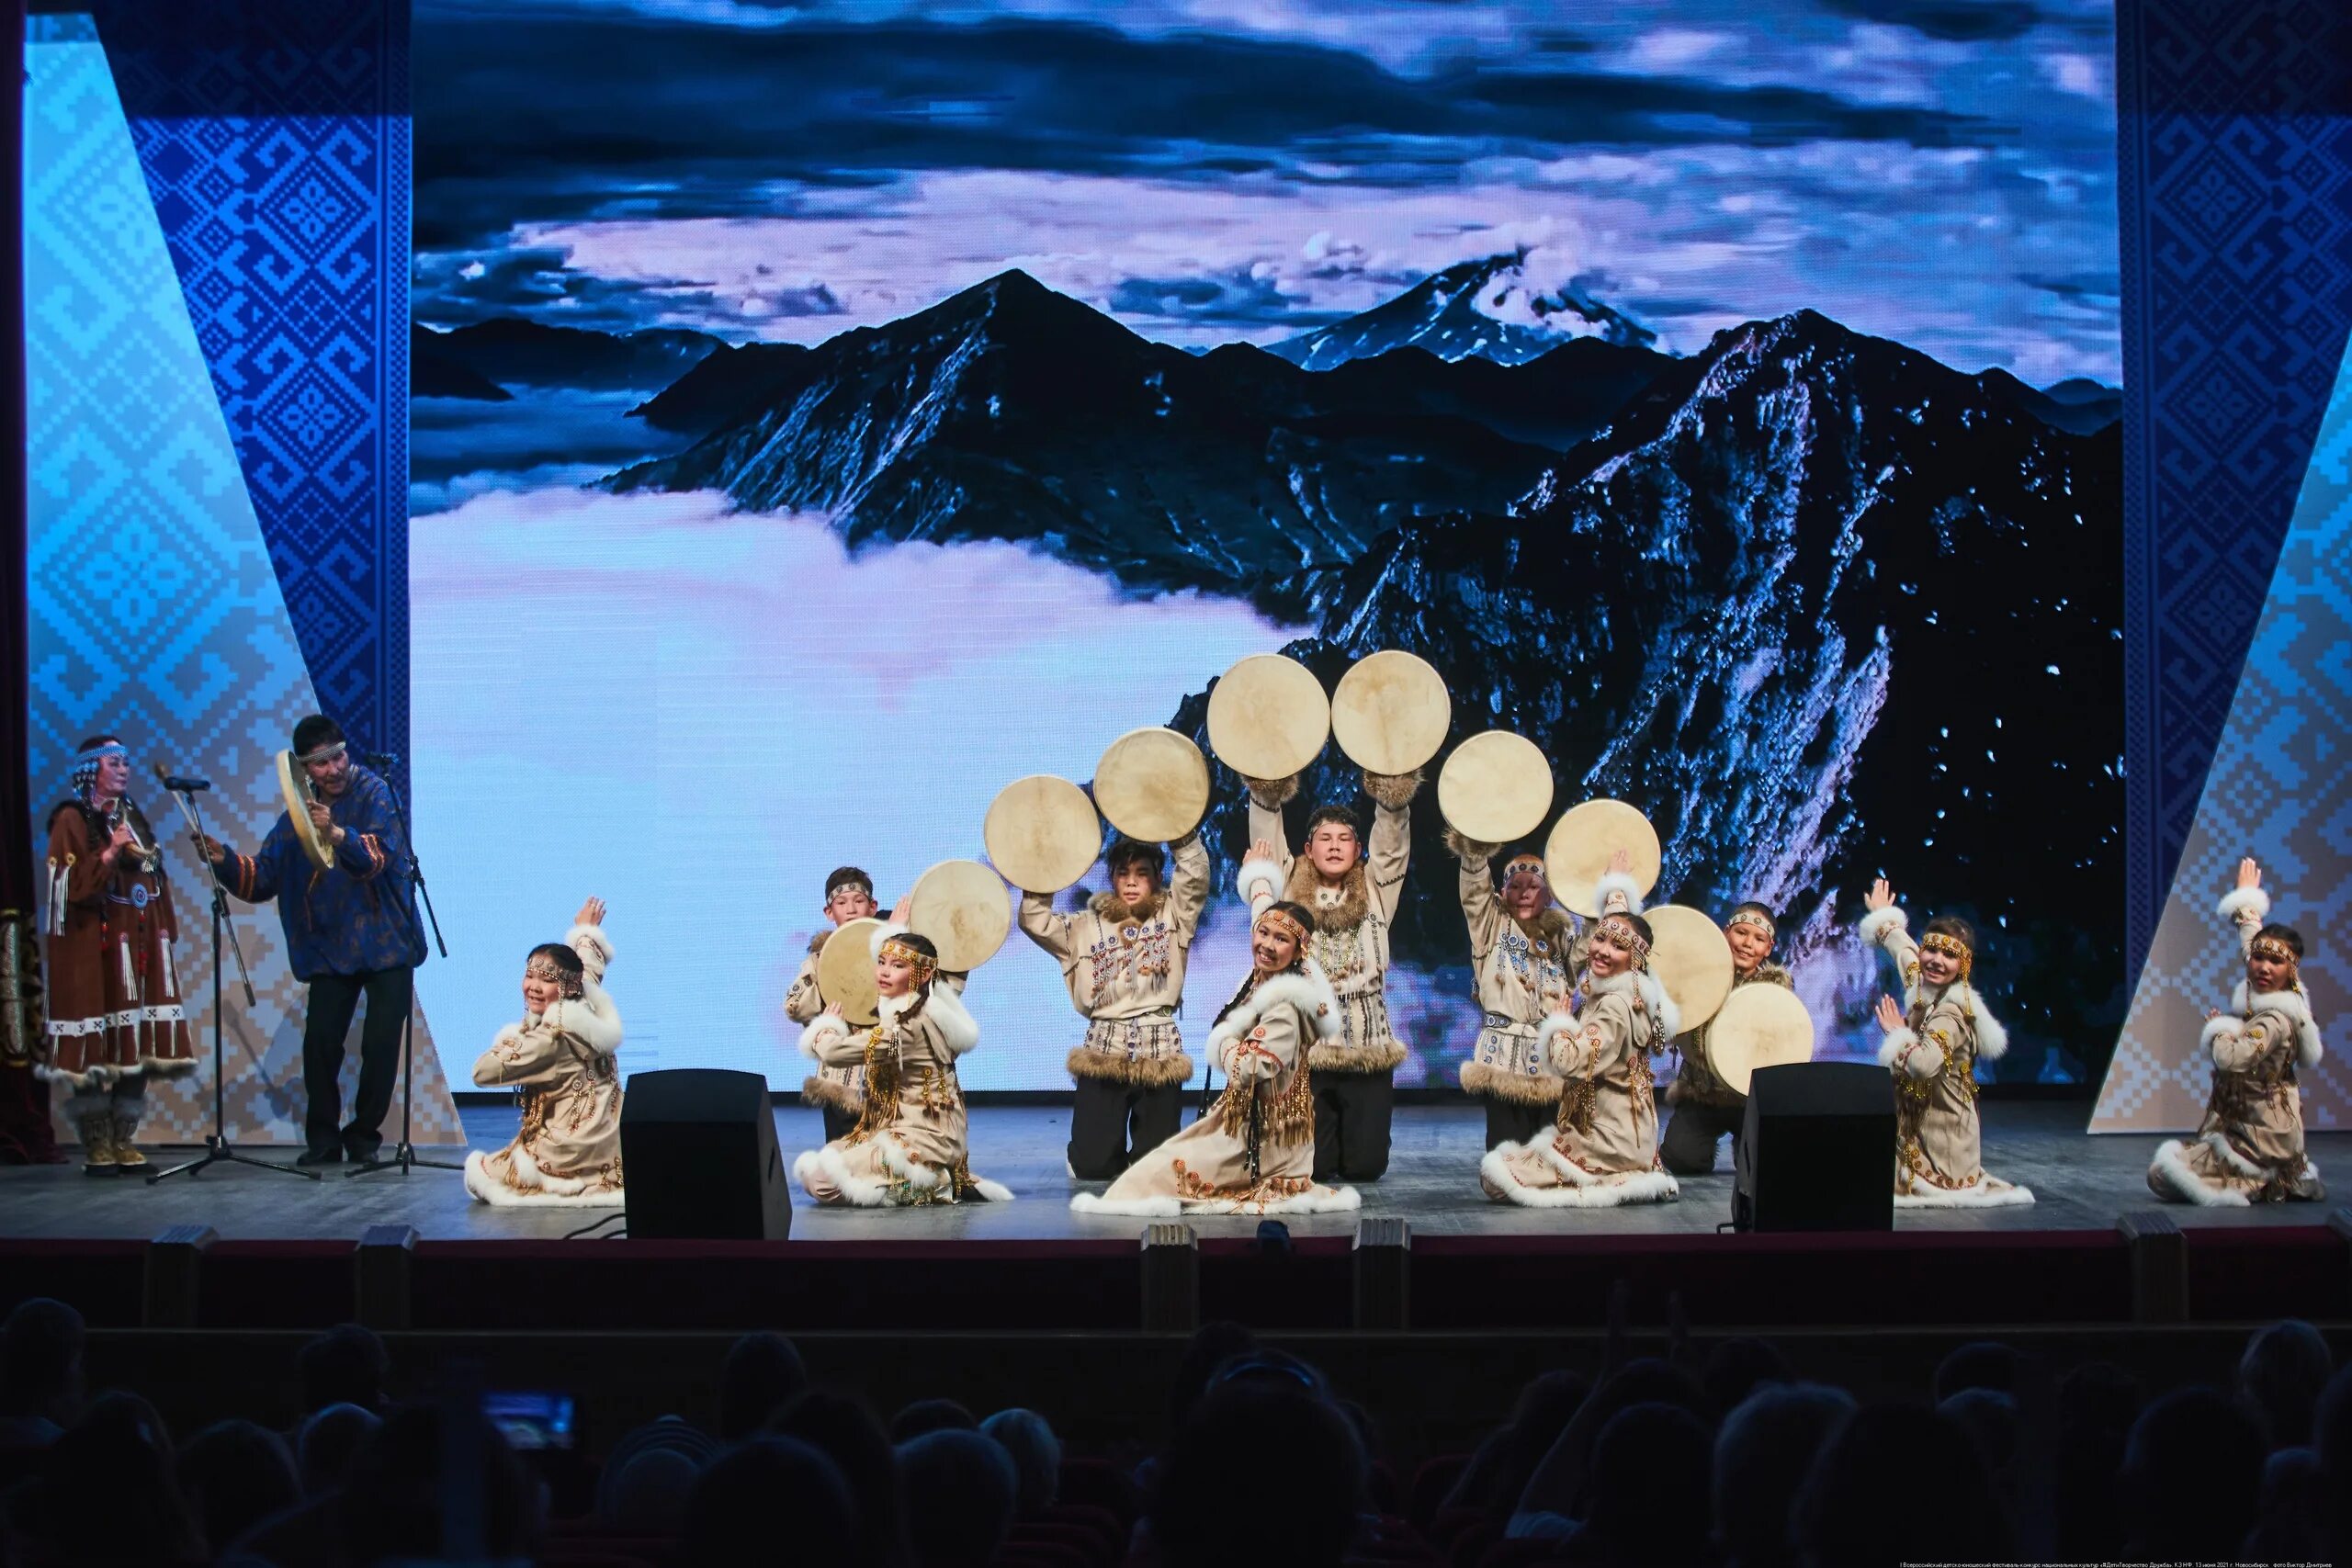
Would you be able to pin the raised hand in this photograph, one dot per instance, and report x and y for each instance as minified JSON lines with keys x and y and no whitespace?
{"x":1621,"y":863}
{"x":1880,"y":896}
{"x":1263,"y":849}
{"x":208,"y":846}
{"x":120,"y":843}
{"x":2250,"y":874}
{"x":1889,"y":1014}
{"x":591,"y":913}
{"x":834,"y":1009}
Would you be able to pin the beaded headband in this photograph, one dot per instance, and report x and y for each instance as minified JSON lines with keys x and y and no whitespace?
{"x":96,"y":754}
{"x":555,"y":973}
{"x":1620,"y":930}
{"x":1944,"y":942}
{"x":925,"y":965}
{"x":1755,"y":918}
{"x":326,"y":753}
{"x":2271,"y":948}
{"x":1285,"y":922}
{"x":1518,"y":864}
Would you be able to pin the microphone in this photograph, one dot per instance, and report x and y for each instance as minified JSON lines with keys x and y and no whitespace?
{"x":175,"y":782}
{"x":380,"y":759}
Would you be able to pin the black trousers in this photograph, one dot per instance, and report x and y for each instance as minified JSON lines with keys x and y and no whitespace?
{"x":1510,"y":1121}
{"x":333,"y":998}
{"x":1351,"y":1115}
{"x":1113,"y":1125}
{"x":838,"y":1123}
{"x":1688,"y":1146}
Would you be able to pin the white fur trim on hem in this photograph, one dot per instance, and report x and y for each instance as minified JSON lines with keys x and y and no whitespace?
{"x":1644,"y":1187}
{"x":2171,"y":1167}
{"x":1989,"y":1192}
{"x":1876,"y":925}
{"x":858,"y":1192}
{"x":2243,"y":898}
{"x":555,"y":1193}
{"x":1314,"y":1200}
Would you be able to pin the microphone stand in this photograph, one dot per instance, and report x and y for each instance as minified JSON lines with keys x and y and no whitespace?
{"x":403,"y":1158}
{"x":216,"y":1147}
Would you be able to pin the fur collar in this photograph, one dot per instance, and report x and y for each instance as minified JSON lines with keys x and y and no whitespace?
{"x":1652,"y":996}
{"x":817,"y":942}
{"x":1992,"y":1040}
{"x":2294,"y":1006}
{"x":942,"y":1007}
{"x":1549,"y":925}
{"x":1108,"y":907}
{"x":1306,"y":989}
{"x":1767,"y":973}
{"x":1335,"y":910}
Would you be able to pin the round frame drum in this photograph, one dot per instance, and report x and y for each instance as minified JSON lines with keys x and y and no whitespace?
{"x":1496,"y":788}
{"x":963,"y":907}
{"x":1041,"y":833}
{"x":1268,"y":718}
{"x":845,"y":971}
{"x":1691,"y":959}
{"x":1575,"y":856}
{"x":1759,"y":1026}
{"x":1391,"y":712}
{"x":1152,"y":784}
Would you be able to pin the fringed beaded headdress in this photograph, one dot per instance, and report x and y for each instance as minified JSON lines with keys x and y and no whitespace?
{"x":1755,"y":918}
{"x":1518,"y":864}
{"x":1620,"y":930}
{"x":2276,"y":950}
{"x":1944,"y":942}
{"x":1285,"y":922}
{"x":923,"y":963}
{"x":547,"y":969}
{"x":86,"y":763}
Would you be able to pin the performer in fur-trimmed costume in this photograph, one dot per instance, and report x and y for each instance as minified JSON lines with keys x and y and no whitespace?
{"x":2250,"y":1147}
{"x":838,"y":1092}
{"x":1707,"y":1109}
{"x":1352,"y":897}
{"x":563,"y":1056}
{"x":1602,"y":1149}
{"x":116,"y":1016}
{"x":1253,"y":1151}
{"x":1527,"y":952}
{"x":1932,"y":1046}
{"x":910,"y":1145}
{"x":1122,"y":957}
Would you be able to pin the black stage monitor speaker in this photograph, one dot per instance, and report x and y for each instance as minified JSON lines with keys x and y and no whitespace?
{"x":1817,"y":1153}
{"x":698,"y":1157}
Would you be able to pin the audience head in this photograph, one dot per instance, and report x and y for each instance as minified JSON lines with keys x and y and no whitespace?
{"x":1498,"y":1473}
{"x":1990,"y":1419}
{"x":105,"y":1492}
{"x":1875,"y":1493}
{"x":761,"y":1375}
{"x":1762,"y":1455}
{"x":931,"y":1415}
{"x":966,"y":1485}
{"x":758,"y":1489}
{"x":1200,"y":1519}
{"x":391,"y":1501}
{"x":346,"y":1365}
{"x":234,"y":1475}
{"x":2279,"y":1379}
{"x":329,"y":1440}
{"x":1983,"y":1364}
{"x":1036,"y":1456}
{"x":1214,"y":1344}
{"x":1262,"y":1364}
{"x":1734,"y":1368}
{"x":1648,"y":1464}
{"x":845,"y":1430}
{"x":2192,"y":1469}
{"x":649,"y":1475}
{"x":40,"y":1361}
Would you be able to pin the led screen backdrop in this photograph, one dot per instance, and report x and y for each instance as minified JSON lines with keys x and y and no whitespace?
{"x":824,"y":416}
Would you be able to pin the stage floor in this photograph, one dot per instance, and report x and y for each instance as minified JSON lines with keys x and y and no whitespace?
{"x":2081,"y":1182}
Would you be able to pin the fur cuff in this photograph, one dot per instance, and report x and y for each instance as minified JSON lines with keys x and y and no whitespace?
{"x":2239,"y":900}
{"x":1253,"y":871}
{"x":1488,"y":1081}
{"x":1897,"y":1042}
{"x":2219,"y":1029}
{"x":828,"y":1026}
{"x":1395,"y":791}
{"x":595,"y":949}
{"x":1547,"y":1035}
{"x":1878,"y":923}
{"x":1361,"y":1059}
{"x":1619,"y":883}
{"x":1464,"y":849}
{"x":823,"y":1093}
{"x":1271,"y":794}
{"x":2171,"y":1176}
{"x":1140,"y":1072}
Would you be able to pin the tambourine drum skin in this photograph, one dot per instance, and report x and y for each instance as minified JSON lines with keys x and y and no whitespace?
{"x":1759,"y":1026}
{"x":295,"y":785}
{"x":1690,"y":960}
{"x":1152,"y":784}
{"x":1267,"y":717}
{"x":1041,"y":833}
{"x":963,"y":907}
{"x":1496,"y":788}
{"x":845,"y":971}
{"x":1391,"y":712}
{"x":1575,"y":856}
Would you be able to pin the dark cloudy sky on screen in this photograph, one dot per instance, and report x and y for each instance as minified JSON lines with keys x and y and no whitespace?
{"x":1940,"y":172}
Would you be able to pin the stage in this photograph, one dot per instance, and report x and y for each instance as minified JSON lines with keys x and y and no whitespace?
{"x":2079,"y":1181}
